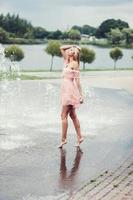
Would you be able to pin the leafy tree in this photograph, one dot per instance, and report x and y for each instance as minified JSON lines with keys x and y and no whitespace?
{"x":53,"y":48}
{"x":64,"y":35}
{"x":128,"y":35}
{"x":87,"y":56}
{"x":109,"y":24}
{"x":29,"y":35}
{"x":85,"y":29}
{"x":75,"y":27}
{"x":14,"y":24}
{"x":115,"y":36}
{"x":39,"y":32}
{"x":14,"y":53}
{"x":3,"y":35}
{"x":74,"y":34}
{"x":89,"y":30}
{"x":116,"y":54}
{"x":50,"y":35}
{"x":57,"y":34}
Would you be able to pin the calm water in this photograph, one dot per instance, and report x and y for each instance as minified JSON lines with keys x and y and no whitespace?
{"x":37,"y":58}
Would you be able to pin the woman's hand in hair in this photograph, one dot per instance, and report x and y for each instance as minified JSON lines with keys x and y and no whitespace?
{"x":65,"y":47}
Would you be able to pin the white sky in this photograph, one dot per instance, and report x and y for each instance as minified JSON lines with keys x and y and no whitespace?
{"x":62,"y":14}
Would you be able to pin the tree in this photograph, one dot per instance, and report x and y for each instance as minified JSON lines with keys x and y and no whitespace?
{"x":64,"y":35}
{"x":40,"y":33}
{"x":87,"y":56}
{"x":74,"y":34}
{"x":14,"y":53}
{"x":14,"y":24}
{"x":115,"y":36}
{"x":88,"y":30}
{"x":57,"y":34}
{"x":75,"y":27}
{"x":53,"y":48}
{"x":85,"y":29}
{"x":109,"y":24}
{"x":3,"y":35}
{"x":128,"y":36}
{"x":116,"y":54}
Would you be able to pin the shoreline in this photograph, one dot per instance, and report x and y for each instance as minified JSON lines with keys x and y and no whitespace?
{"x":31,"y":41}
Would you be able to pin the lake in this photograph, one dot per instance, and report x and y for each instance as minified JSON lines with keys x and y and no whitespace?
{"x":37,"y":58}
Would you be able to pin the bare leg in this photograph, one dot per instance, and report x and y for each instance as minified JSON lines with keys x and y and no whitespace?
{"x":64,"y":118}
{"x":76,"y":123}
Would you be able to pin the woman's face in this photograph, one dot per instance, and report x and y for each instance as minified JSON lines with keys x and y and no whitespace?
{"x":72,"y":51}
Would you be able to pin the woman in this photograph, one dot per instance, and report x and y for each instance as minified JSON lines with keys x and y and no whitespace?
{"x":71,"y":92}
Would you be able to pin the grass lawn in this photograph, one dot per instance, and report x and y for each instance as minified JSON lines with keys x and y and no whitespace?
{"x":46,"y":74}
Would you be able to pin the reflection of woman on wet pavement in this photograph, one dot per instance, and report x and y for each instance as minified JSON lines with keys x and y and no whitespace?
{"x":71,"y":92}
{"x":65,"y":179}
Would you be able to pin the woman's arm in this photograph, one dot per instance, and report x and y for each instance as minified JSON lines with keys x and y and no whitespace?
{"x":63,"y":50}
{"x":77,"y":47}
{"x":79,"y":86}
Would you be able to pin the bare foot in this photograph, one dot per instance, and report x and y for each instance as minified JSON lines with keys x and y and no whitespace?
{"x":79,"y":142}
{"x":62,"y":143}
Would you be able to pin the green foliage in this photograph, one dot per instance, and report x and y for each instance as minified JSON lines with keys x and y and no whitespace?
{"x":87,"y":56}
{"x":16,"y":30}
{"x":53,"y":49}
{"x":115,"y":36}
{"x":109,"y":24}
{"x":89,"y":30}
{"x":76,"y":27}
{"x":74,"y":34}
{"x":64,"y":35}
{"x":40,"y":33}
{"x":55,"y":35}
{"x":14,"y":53}
{"x":85,"y":29}
{"x":14,"y":24}
{"x":128,"y":36}
{"x":116,"y":54}
{"x":3,"y":35}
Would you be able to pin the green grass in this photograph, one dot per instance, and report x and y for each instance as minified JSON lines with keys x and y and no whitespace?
{"x":30,"y":77}
{"x":40,"y":70}
{"x":25,"y":76}
{"x":102,"y":69}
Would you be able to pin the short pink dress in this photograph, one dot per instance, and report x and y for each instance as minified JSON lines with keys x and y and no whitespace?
{"x":70,"y":94}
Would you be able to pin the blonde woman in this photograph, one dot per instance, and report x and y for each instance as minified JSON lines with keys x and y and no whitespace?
{"x":71,"y":91}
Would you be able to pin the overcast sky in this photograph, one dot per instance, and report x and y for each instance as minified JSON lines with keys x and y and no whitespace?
{"x":62,"y":14}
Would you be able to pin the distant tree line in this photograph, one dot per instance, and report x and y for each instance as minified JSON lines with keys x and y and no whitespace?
{"x":85,"y":29}
{"x":13,"y":29}
{"x":12,"y":26}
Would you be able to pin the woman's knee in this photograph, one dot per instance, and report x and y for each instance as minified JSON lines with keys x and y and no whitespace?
{"x":64,"y":113}
{"x":63,"y":116}
{"x":72,"y":114}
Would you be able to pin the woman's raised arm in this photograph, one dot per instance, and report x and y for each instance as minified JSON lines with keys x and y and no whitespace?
{"x":63,"y":50}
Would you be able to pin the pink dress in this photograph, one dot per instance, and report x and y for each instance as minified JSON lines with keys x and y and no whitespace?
{"x":70,"y":94}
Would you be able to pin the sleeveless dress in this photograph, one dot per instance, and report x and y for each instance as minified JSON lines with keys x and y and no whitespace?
{"x":70,"y":94}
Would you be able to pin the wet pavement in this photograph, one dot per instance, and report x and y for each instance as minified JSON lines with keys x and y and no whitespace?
{"x":31,"y":165}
